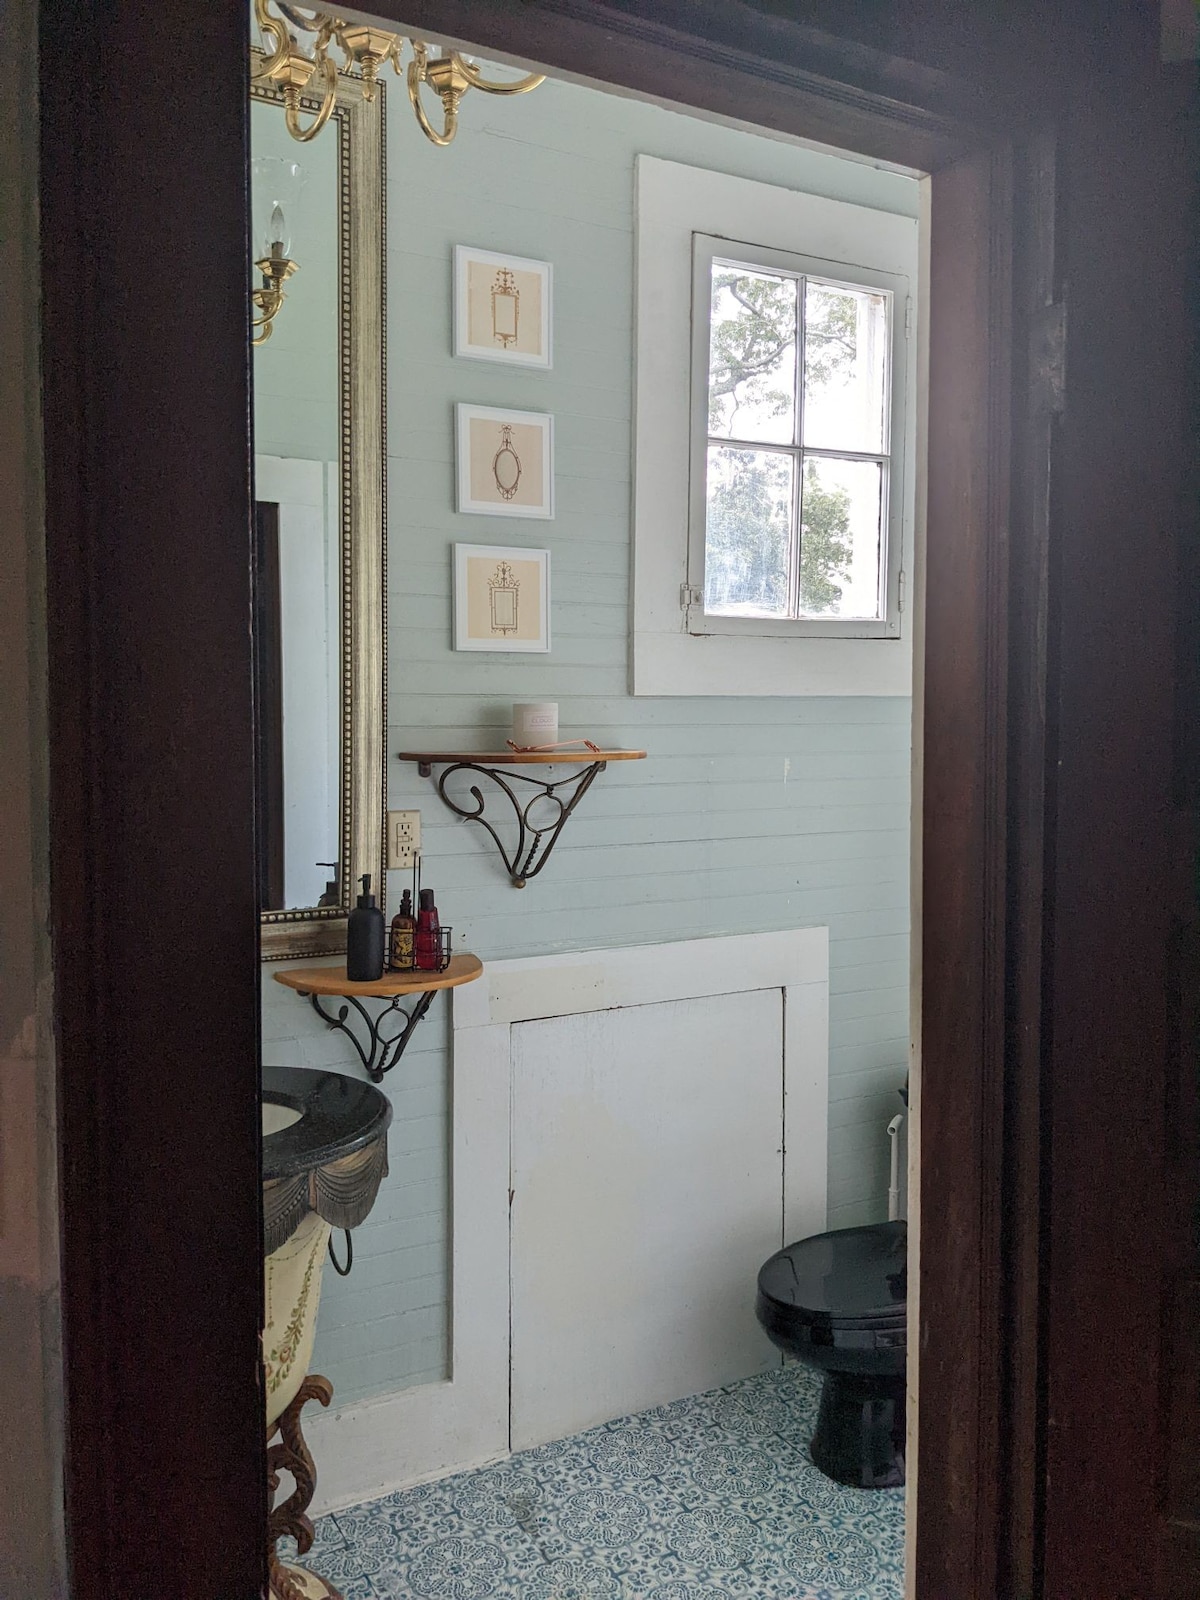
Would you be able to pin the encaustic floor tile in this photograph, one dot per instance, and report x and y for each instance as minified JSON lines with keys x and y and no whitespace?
{"x":360,"y":1589}
{"x":715,"y":1498}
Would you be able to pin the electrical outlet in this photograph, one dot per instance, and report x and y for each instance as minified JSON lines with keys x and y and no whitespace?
{"x":403,"y":838}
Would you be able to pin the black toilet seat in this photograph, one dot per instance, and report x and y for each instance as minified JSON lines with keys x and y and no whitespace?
{"x":840,"y":1298}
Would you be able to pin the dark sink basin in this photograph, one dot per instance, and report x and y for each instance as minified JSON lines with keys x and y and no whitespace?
{"x":331,"y":1116}
{"x":324,"y":1149}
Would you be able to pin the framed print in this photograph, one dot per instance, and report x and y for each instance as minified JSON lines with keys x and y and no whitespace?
{"x":501,"y":598}
{"x":505,"y":461}
{"x":501,"y":307}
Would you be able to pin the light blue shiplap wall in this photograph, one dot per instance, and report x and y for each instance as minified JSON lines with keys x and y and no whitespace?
{"x":749,"y":814}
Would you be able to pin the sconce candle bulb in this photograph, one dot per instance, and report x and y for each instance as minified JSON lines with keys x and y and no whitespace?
{"x":278,"y":244}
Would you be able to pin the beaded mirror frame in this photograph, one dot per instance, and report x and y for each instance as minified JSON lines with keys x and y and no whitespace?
{"x":358,"y":125}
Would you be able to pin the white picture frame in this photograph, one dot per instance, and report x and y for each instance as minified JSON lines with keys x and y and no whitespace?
{"x":504,"y":461}
{"x":501,"y":598}
{"x":503,"y":308}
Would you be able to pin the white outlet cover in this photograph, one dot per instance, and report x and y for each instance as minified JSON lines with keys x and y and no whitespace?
{"x":403,"y":838}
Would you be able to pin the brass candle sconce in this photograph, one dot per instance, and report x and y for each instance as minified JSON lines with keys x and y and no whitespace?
{"x":276,"y":270}
{"x":275,"y":191}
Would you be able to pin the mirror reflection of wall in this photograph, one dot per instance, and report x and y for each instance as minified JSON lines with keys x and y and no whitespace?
{"x":296,"y":427}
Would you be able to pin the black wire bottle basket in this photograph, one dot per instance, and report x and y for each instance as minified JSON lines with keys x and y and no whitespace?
{"x":443,"y":954}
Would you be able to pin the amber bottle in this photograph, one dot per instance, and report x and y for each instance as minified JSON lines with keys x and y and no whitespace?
{"x":402,"y":946}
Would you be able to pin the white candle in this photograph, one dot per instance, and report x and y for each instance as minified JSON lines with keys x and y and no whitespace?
{"x":535,"y":723}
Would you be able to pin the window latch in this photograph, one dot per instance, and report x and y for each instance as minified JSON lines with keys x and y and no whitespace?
{"x":689,"y":596}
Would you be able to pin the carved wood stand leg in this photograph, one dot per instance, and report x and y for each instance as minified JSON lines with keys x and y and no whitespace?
{"x":291,"y":1455}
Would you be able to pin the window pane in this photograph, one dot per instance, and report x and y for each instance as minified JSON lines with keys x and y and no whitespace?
{"x":841,"y":513}
{"x":752,"y":356}
{"x":747,"y":532}
{"x":845,"y":367}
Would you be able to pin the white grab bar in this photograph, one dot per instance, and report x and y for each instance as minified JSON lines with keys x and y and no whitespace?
{"x":894,"y":1127}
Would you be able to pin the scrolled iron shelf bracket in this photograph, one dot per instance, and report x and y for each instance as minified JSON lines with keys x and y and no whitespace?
{"x":534,"y":843}
{"x":379,"y":1037}
{"x":381,"y":1052}
{"x":541,"y":818}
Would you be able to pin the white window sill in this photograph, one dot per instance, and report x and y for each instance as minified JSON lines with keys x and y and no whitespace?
{"x":680,"y":663}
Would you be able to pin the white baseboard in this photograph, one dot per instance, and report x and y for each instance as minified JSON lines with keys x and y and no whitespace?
{"x":371,"y":1448}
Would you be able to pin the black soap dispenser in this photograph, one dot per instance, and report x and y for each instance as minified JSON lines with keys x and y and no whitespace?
{"x":364,"y":938}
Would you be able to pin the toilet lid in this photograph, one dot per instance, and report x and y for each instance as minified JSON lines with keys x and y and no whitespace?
{"x":852,"y":1277}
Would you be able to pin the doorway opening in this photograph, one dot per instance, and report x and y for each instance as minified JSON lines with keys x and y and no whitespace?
{"x":723,"y":329}
{"x":963,"y":844}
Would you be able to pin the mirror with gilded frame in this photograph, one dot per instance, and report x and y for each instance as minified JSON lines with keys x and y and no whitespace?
{"x":320,"y":486}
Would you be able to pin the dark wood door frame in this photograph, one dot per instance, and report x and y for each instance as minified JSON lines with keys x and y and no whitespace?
{"x":150,"y":538}
{"x":146,"y":411}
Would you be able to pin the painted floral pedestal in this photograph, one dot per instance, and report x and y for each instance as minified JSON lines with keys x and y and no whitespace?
{"x":324,"y":1157}
{"x":293,"y":1292}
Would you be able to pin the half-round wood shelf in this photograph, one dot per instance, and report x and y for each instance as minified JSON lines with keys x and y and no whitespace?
{"x":463,"y":968}
{"x":520,"y":758}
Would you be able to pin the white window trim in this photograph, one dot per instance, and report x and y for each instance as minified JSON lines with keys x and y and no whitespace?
{"x":675,"y":203}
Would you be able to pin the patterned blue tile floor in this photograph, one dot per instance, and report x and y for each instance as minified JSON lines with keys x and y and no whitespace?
{"x":712,"y":1498}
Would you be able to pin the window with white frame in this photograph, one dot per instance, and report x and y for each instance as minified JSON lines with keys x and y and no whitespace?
{"x":791,"y":457}
{"x":775,"y":462}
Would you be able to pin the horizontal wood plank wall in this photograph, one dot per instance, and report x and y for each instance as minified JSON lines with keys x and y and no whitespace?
{"x":749,"y":815}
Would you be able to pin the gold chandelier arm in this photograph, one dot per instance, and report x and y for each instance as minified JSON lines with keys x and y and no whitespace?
{"x":395,"y":55}
{"x":416,"y":74}
{"x":477,"y":81}
{"x":327,"y":70}
{"x":310,"y":22}
{"x":369,"y":48}
{"x":272,"y":29}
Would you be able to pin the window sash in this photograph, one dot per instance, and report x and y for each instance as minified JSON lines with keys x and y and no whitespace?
{"x":707,"y":250}
{"x":799,"y":456}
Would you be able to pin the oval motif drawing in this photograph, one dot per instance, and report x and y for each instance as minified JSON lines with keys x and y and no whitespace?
{"x":506,"y":466}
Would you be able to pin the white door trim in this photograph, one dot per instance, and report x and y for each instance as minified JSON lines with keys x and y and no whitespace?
{"x":376,"y":1446}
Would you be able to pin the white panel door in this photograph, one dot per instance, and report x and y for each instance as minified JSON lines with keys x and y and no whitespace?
{"x":647,"y":1189}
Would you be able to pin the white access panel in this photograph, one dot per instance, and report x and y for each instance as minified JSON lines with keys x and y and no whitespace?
{"x":647,"y":1189}
{"x":429,"y":1430}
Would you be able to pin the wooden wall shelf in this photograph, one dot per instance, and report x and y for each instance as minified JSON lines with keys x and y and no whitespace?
{"x":382,"y":1050}
{"x":537,"y":834}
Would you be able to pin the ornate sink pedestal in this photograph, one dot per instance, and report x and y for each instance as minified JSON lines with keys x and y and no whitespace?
{"x":324,"y":1157}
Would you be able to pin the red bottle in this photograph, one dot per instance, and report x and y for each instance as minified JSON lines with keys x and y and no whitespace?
{"x":428,"y":940}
